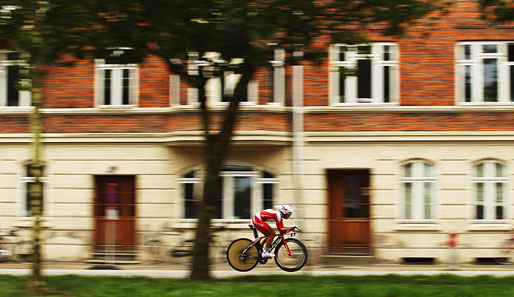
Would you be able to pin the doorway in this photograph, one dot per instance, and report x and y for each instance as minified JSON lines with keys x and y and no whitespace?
{"x":115,"y":212}
{"x":349,"y":211}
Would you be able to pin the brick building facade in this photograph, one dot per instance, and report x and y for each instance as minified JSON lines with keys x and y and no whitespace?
{"x":385,"y":163}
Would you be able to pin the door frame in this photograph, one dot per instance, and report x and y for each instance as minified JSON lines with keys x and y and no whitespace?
{"x":340,"y":172}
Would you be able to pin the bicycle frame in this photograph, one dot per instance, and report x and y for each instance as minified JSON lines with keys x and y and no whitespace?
{"x":258,"y":239}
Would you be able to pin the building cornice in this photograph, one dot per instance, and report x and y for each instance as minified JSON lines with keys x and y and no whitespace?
{"x":178,"y":138}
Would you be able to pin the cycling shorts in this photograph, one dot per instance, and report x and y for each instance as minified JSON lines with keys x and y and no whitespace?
{"x":260,"y":224}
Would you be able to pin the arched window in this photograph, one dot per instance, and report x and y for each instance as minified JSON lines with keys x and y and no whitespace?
{"x":489,"y":189}
{"x":244,"y":191}
{"x":417,"y":183}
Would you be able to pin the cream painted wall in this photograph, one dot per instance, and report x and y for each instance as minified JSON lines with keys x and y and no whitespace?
{"x":71,"y":167}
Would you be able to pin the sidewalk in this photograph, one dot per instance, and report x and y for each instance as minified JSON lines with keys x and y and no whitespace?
{"x":224,"y":270}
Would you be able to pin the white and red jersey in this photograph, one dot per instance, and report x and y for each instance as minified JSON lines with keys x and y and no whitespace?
{"x":270,"y":215}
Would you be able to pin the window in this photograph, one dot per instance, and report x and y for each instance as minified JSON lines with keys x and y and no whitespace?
{"x":363,"y":74}
{"x":28,"y":181}
{"x":489,"y":190}
{"x":485,"y":72}
{"x":218,"y":86}
{"x":243,"y":192}
{"x":116,"y":83}
{"x":10,"y":95}
{"x":417,"y":184}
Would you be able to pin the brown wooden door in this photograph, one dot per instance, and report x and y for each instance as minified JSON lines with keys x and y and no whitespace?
{"x":349,"y":212}
{"x":115,"y":212}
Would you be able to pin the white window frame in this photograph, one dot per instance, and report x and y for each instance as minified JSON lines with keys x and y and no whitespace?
{"x":116,"y":85}
{"x":227,"y":208}
{"x":22,"y":193}
{"x":377,"y":69}
{"x":475,"y":63}
{"x":279,"y":77}
{"x":417,"y":180}
{"x":24,"y":95}
{"x":489,"y":179}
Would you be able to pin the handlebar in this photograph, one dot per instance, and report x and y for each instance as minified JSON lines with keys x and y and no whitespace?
{"x":292,"y":230}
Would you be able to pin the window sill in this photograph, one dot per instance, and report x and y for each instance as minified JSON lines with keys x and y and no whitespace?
{"x":418,"y":226}
{"x":502,"y":225}
{"x":116,"y":106}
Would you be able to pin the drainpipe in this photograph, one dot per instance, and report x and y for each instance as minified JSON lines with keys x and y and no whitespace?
{"x":297,"y":130}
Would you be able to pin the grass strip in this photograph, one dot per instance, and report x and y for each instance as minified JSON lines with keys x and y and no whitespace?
{"x":271,"y":285}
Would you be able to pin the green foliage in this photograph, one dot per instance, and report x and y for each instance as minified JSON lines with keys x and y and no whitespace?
{"x":499,"y":11}
{"x":172,"y":29}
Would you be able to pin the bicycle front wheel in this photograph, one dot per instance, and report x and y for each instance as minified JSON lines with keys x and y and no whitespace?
{"x":296,"y":260}
{"x":242,"y":261}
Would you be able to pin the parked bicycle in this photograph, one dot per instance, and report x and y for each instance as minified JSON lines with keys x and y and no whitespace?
{"x":15,"y":249}
{"x":291,"y":254}
{"x":186,"y":246}
{"x":507,"y":248}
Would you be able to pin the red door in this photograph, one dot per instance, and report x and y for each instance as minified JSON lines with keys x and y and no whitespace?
{"x":349,"y":215}
{"x":115,"y":212}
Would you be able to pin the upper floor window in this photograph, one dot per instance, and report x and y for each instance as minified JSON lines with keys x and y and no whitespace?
{"x":417,"y":183}
{"x":243,"y":192}
{"x":218,"y":89}
{"x":489,"y":189}
{"x":10,"y":95}
{"x":485,"y":72}
{"x":116,"y":81}
{"x":361,"y":74}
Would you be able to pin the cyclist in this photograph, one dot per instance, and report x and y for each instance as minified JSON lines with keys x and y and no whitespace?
{"x":261,"y":218}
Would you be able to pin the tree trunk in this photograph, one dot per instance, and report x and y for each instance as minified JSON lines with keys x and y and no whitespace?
{"x":216,"y":149}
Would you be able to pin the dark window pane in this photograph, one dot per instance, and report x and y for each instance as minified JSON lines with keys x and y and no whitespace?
{"x":13,"y":94}
{"x":467,"y":52}
{"x":267,"y":195}
{"x":28,"y":198}
{"x":342,"y":89}
{"x":266,"y":174}
{"x":13,"y":56}
{"x":511,"y":52}
{"x":387,"y":54}
{"x":364,"y":50}
{"x":342,"y":53}
{"x":189,"y":203}
{"x":490,"y":48}
{"x":490,"y":80}
{"x":387,"y":84}
{"x":480,"y":212}
{"x":126,"y":87}
{"x":242,"y":197}
{"x":467,"y":83}
{"x":499,"y":212}
{"x":364,"y":79}
{"x":190,"y":174}
{"x":107,"y":86}
{"x":355,"y":204}
{"x":219,"y":204}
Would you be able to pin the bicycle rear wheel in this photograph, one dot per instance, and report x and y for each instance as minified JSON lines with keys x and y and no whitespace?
{"x":296,"y":260}
{"x":238,"y":260}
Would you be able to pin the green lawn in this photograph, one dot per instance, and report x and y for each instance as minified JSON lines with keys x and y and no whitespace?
{"x":268,"y":286}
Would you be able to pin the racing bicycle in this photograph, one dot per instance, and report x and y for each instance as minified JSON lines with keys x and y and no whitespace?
{"x":291,"y":254}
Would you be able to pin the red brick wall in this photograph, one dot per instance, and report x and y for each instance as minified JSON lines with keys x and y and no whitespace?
{"x":426,"y":79}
